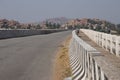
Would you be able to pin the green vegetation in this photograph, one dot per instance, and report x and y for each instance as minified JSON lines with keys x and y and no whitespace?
{"x":118,"y":29}
{"x":94,"y":24}
{"x":50,"y":25}
{"x":38,"y":26}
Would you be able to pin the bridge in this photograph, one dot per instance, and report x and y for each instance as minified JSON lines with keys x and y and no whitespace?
{"x":93,"y":55}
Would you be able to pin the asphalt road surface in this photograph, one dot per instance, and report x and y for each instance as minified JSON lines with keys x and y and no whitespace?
{"x":29,"y":58}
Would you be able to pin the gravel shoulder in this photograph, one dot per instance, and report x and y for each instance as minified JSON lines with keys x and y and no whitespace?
{"x":62,"y":64}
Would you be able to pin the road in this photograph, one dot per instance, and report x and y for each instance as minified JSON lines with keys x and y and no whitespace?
{"x":29,"y":58}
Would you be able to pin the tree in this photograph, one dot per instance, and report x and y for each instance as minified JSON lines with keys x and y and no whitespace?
{"x":38,"y":26}
{"x":91,"y":27}
{"x":53,"y":26}
{"x":98,"y":28}
{"x":58,"y":25}
{"x":50,"y":25}
{"x":78,"y":26}
{"x":29,"y":26}
{"x":47,"y":24}
{"x":118,"y":28}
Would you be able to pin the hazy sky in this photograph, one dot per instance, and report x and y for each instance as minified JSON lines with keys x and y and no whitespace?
{"x":38,"y":10}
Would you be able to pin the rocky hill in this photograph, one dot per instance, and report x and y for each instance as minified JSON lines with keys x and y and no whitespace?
{"x":61,"y":20}
{"x":9,"y":24}
{"x":12,"y":24}
{"x":63,"y":23}
{"x":53,"y":22}
{"x":95,"y":24}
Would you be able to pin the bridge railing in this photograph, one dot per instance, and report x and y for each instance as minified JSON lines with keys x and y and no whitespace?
{"x":25,"y":32}
{"x":89,"y":64}
{"x":83,"y":62}
{"x":109,"y":42}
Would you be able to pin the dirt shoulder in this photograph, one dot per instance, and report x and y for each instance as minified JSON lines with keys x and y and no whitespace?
{"x":62,"y":65}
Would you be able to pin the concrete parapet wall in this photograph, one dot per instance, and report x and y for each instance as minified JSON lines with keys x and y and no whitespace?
{"x":89,"y":64}
{"x":109,"y":42}
{"x":21,"y":33}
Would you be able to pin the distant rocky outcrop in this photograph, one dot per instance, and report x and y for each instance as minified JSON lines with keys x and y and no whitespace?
{"x":61,"y":20}
{"x":9,"y":24}
{"x":54,"y":22}
{"x":12,"y":24}
{"x":95,"y":24}
{"x":63,"y":23}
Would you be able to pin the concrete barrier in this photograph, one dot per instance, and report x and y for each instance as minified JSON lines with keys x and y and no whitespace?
{"x":89,"y":64}
{"x":21,"y":33}
{"x":109,"y":42}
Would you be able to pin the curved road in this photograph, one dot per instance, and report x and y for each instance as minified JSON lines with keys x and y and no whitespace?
{"x":29,"y":58}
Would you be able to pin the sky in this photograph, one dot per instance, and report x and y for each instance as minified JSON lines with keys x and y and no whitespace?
{"x":38,"y":10}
